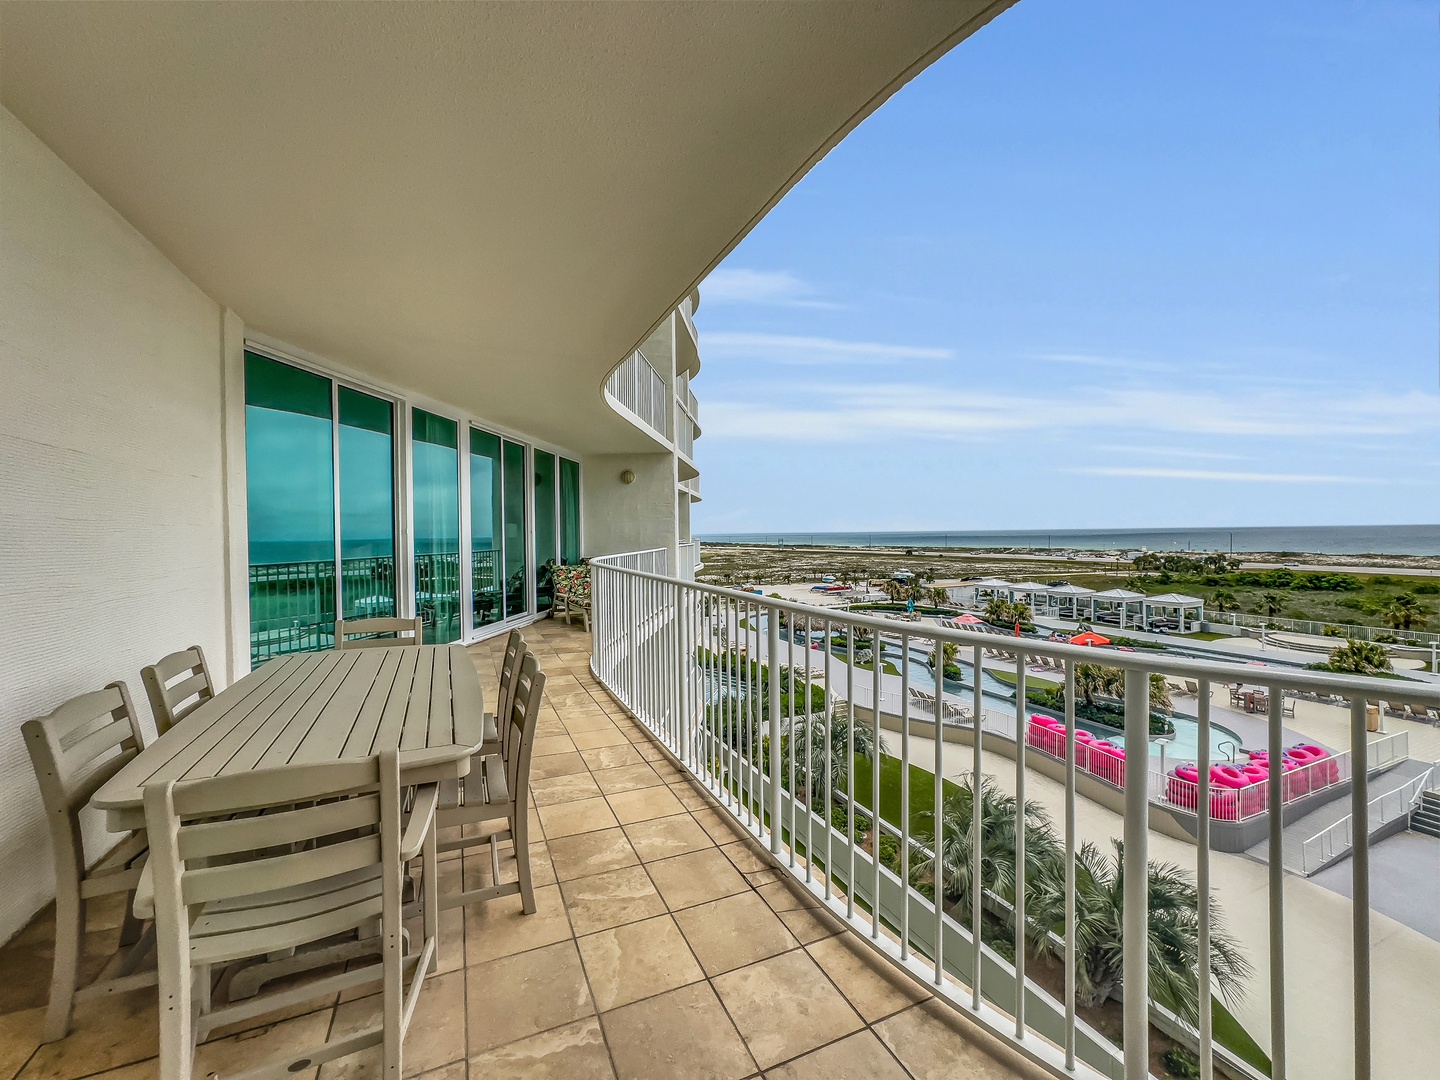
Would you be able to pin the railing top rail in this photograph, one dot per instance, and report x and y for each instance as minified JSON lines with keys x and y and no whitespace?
{"x":1367,"y":687}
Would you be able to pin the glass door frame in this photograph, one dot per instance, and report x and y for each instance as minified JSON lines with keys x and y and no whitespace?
{"x":401,"y":404}
{"x":401,"y":520}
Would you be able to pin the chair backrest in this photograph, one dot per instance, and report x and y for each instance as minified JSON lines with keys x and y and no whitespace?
{"x":347,"y":629}
{"x":177,"y":685}
{"x":72,"y":749}
{"x":518,"y":736}
{"x":229,"y":838}
{"x":515,"y":651}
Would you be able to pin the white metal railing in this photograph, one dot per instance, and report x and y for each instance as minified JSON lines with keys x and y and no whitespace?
{"x":685,"y":437}
{"x":689,"y":558}
{"x":1310,"y":626}
{"x":638,"y":388}
{"x":1330,"y":843}
{"x":702,"y":668}
{"x":686,"y":396}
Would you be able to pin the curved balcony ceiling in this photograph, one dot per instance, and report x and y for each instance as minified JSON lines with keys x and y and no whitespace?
{"x":491,"y":204}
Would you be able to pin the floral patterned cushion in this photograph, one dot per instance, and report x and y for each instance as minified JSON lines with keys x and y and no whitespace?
{"x":573,"y":583}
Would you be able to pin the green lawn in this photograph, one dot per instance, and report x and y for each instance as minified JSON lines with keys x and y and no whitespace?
{"x":1032,"y":682}
{"x":885,"y":666}
{"x":1200,"y":635}
{"x":922,"y":790}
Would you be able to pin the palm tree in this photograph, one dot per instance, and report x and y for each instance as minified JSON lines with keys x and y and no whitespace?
{"x":1044,"y":857}
{"x":1093,"y":679}
{"x":812,"y":734}
{"x":1404,"y":611}
{"x":939,"y":597}
{"x":1272,"y":603}
{"x":1360,"y":657}
{"x":1174,"y":905}
{"x":948,"y":652}
{"x":1224,"y":600}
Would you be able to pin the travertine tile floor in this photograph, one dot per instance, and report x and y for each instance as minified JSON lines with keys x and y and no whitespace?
{"x":664,"y":945}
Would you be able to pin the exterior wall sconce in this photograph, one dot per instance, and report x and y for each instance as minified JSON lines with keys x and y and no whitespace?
{"x":627,"y":477}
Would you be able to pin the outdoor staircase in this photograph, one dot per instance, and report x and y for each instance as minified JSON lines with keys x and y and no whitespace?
{"x":1425,"y":818}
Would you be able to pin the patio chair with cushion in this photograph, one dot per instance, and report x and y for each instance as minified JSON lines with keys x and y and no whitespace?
{"x":177,"y":685}
{"x":263,"y":862}
{"x":572,"y":593}
{"x":72,"y":751}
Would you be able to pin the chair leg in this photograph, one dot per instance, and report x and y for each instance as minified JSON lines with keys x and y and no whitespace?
{"x":431,"y":896}
{"x":131,"y":928}
{"x":69,"y":941}
{"x":520,"y":831}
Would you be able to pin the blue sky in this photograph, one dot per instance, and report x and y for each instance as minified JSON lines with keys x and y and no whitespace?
{"x":1111,"y":264}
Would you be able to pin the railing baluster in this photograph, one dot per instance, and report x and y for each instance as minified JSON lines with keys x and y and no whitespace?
{"x":1070,"y":845}
{"x":1202,"y":880}
{"x":875,"y":665}
{"x":773,"y":638}
{"x":828,"y":731}
{"x":1020,"y":739}
{"x":809,"y":745}
{"x":790,"y":726}
{"x":938,"y":840}
{"x":849,"y":762}
{"x":904,"y":792}
{"x":1360,"y":883}
{"x":1276,"y":875}
{"x":1135,"y":921}
{"x":977,"y":786}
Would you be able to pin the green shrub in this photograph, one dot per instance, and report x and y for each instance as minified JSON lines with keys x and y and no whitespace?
{"x":1333,"y":631}
{"x":1181,"y":1063}
{"x":1429,"y":588}
{"x":890,"y":852}
{"x":839,"y":818}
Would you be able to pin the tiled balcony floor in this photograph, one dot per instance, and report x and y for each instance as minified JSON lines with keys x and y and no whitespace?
{"x":664,"y":945}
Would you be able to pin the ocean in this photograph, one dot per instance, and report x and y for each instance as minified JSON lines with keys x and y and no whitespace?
{"x":1305,"y":539}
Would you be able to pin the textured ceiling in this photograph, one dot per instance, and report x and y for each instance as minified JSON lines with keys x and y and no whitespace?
{"x":490,"y":204}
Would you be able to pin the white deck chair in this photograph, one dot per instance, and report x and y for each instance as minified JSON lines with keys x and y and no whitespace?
{"x":72,"y":749}
{"x":363,"y":633}
{"x":498,"y":790}
{"x":515,"y":651}
{"x":267,"y":861}
{"x":172,"y":698}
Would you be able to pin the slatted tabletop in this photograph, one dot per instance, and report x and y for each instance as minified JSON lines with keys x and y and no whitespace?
{"x":423,"y":700}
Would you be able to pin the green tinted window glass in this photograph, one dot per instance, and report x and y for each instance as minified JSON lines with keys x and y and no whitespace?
{"x":290,"y":490}
{"x":487,"y":530}
{"x":515,"y":585}
{"x":569,"y":511}
{"x":435,"y":462}
{"x":545,"y":538}
{"x":367,"y":505}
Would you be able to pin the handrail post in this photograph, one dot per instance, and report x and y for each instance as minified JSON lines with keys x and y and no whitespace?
{"x":1136,"y":925}
{"x":1360,"y":884}
{"x":772,"y":651}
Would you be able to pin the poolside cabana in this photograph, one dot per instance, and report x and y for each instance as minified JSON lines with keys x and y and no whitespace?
{"x":987,"y":589}
{"x":1174,"y":610}
{"x":1034,"y":594}
{"x":1069,"y":601}
{"x":1118,"y":607}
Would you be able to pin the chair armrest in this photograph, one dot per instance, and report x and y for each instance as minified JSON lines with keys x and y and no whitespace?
{"x":145,"y":893}
{"x":420,"y":821}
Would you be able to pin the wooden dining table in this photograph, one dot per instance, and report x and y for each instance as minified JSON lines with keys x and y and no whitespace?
{"x":423,"y":700}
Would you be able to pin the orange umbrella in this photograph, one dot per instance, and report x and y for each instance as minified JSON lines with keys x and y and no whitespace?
{"x":1089,"y":637}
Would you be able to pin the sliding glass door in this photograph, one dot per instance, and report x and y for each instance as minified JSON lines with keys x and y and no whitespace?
{"x":487,"y":529}
{"x":320,"y":480}
{"x":517,"y":600}
{"x":435,"y":469}
{"x":569,"y":511}
{"x":546,"y":540}
{"x":367,"y":506}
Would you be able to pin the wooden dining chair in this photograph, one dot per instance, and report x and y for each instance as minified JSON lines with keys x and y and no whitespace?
{"x":177,"y":685}
{"x":75,"y":749}
{"x":278,"y":859}
{"x":367,"y":633}
{"x":515,"y":652}
{"x":498,"y":789}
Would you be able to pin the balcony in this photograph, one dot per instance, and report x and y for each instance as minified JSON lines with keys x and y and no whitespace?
{"x":666,"y":943}
{"x":700,"y":667}
{"x":638,"y":392}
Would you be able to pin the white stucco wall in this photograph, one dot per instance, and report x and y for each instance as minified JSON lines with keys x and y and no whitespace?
{"x":111,"y":524}
{"x":628,"y":517}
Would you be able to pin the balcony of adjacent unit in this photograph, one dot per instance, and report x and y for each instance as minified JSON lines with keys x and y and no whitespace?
{"x":641,"y":395}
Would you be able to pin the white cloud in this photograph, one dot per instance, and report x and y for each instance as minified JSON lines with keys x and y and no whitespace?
{"x":848,"y":412}
{"x":795,"y":349}
{"x":1209,"y":474}
{"x":738,"y":285}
